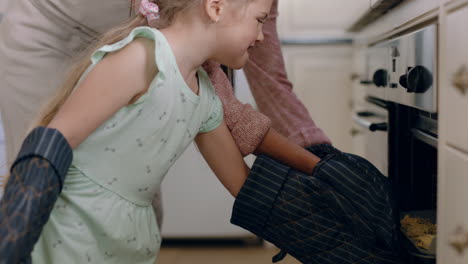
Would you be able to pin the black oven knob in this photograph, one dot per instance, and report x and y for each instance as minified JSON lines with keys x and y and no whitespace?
{"x":380,"y":78}
{"x":378,"y":127}
{"x":417,"y":80}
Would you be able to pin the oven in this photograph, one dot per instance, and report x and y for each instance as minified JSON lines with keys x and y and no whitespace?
{"x":400,"y":125}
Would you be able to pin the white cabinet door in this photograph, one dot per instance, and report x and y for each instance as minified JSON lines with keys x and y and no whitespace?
{"x":321,"y":79}
{"x":318,"y":19}
{"x":195,"y":203}
{"x":453,"y":149}
{"x":454,"y":100}
{"x":453,"y":210}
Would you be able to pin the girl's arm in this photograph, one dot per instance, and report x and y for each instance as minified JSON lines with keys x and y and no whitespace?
{"x":224,"y":158}
{"x":113,"y":83}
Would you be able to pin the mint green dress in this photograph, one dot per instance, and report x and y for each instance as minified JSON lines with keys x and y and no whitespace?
{"x":104,"y":213}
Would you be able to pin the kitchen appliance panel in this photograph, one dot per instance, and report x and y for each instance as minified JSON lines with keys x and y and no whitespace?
{"x":413,"y":78}
{"x":403,"y":69}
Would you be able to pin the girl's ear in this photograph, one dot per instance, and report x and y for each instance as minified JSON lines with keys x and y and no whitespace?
{"x":214,"y":9}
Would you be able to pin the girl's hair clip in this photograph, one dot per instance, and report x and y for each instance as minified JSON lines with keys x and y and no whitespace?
{"x":149,"y":10}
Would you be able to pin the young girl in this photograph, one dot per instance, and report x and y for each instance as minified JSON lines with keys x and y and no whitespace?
{"x":152,"y":102}
{"x":137,"y":105}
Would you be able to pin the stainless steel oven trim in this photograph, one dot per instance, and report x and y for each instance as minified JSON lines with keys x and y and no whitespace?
{"x":424,"y":137}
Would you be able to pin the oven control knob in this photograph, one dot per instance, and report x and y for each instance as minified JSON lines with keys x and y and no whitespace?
{"x":380,"y":78}
{"x":417,"y":80}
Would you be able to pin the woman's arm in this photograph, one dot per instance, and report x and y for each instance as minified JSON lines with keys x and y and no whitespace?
{"x":248,"y":127}
{"x":224,"y":158}
{"x":273,"y":92}
{"x":286,"y":151}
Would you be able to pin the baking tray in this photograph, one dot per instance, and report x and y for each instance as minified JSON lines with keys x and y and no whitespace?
{"x":414,"y":250}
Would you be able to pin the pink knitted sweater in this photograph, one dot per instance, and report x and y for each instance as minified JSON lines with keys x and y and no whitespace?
{"x":273,"y":94}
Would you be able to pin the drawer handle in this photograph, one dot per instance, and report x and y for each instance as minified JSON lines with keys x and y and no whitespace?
{"x":459,"y":240}
{"x":460,"y":79}
{"x":354,"y":132}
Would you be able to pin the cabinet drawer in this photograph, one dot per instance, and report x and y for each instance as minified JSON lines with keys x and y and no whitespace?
{"x":454,"y":90}
{"x":453,"y":212}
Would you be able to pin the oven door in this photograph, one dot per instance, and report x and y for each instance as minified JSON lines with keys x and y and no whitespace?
{"x":372,"y":124}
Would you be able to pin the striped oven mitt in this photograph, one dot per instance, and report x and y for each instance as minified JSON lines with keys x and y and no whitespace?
{"x":342,"y":213}
{"x":36,"y":180}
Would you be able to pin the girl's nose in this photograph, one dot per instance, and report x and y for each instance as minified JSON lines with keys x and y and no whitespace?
{"x":260,"y":36}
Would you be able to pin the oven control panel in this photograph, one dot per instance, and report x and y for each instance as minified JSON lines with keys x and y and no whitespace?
{"x":403,"y":69}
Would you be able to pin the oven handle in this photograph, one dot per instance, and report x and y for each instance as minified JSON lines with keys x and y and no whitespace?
{"x":369,"y":125}
{"x":424,"y":137}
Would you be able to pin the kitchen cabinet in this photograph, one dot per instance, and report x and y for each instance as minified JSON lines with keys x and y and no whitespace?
{"x":303,"y":18}
{"x":453,"y":233}
{"x":455,"y":88}
{"x":452,"y":244}
{"x":321,"y":78}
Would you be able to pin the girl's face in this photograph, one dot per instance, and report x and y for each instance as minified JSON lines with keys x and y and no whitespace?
{"x":241,"y":28}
